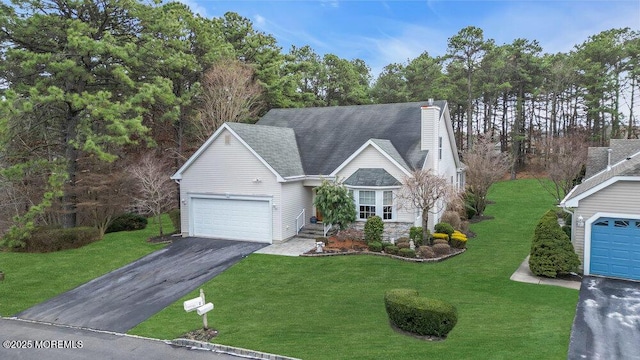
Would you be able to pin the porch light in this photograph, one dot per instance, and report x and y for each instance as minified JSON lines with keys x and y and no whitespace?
{"x":580,"y":221}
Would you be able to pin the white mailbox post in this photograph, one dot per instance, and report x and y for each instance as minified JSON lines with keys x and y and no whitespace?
{"x":200,"y":306}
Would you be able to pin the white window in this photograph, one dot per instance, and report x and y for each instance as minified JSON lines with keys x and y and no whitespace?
{"x":367,"y":204}
{"x":374,"y":202}
{"x":387,"y":205}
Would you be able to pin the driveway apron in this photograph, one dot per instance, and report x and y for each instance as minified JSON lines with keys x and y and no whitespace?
{"x":121,"y":299}
{"x":607,"y":322}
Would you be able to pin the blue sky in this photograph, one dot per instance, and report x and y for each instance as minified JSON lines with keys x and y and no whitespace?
{"x":384,"y":32}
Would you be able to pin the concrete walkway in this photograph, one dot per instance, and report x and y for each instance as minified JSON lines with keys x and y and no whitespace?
{"x":523,"y":274}
{"x":292,"y":247}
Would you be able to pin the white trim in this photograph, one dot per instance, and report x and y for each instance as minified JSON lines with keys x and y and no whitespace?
{"x":205,"y":146}
{"x":587,"y":233}
{"x":379,"y":205}
{"x":575,"y":201}
{"x":361,"y":149}
{"x":266,"y":198}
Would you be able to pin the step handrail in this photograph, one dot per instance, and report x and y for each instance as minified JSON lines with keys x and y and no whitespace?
{"x":302,"y":217}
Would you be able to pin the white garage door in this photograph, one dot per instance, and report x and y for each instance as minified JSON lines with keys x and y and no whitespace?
{"x":233,"y":219}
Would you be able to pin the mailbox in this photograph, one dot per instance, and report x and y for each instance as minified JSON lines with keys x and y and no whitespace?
{"x":193,"y":304}
{"x":205,"y":308}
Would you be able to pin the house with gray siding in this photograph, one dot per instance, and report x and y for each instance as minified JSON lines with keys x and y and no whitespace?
{"x":606,"y":211}
{"x":256,"y":181}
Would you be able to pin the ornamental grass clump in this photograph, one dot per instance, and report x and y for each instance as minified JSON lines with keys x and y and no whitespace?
{"x":419,"y":315}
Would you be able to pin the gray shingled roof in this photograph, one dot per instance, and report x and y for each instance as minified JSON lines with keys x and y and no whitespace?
{"x":387,"y":146}
{"x":327,"y":136}
{"x":597,"y":157}
{"x":626,"y":165}
{"x":276,"y":145}
{"x":371,"y":177}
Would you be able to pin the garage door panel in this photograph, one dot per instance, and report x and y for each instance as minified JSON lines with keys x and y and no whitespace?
{"x":234,"y":219}
{"x":615,"y":248}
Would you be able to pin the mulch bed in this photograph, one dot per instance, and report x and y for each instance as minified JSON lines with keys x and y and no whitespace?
{"x":200,"y":335}
{"x":336,"y":247}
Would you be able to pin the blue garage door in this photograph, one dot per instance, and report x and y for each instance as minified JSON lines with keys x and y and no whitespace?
{"x":615,"y":248}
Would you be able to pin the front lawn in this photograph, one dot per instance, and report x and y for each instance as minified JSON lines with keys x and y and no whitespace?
{"x":33,"y":278}
{"x":332,"y":307}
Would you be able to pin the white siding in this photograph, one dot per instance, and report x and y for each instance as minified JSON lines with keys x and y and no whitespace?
{"x":372,"y":158}
{"x":229,"y":168}
{"x":622,"y":197}
{"x":295,"y":197}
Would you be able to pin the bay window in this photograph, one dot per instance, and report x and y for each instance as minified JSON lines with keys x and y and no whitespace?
{"x":374,"y":202}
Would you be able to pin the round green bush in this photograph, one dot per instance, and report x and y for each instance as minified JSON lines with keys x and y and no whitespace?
{"x":419,"y":315}
{"x":127,"y":222}
{"x":406,"y":252}
{"x":391,"y":249}
{"x":375,"y":246}
{"x":44,"y":239}
{"x":403,"y":245}
{"x":415,"y":233}
{"x":373,"y":229}
{"x":443,"y":227}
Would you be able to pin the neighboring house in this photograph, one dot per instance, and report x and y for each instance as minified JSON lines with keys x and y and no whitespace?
{"x":255,"y":182}
{"x":606,"y":211}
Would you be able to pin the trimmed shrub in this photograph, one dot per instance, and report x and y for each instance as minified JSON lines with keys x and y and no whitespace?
{"x":373,"y":229}
{"x":441,"y":249}
{"x":440,"y":236}
{"x":440,"y":241}
{"x":406,"y":252}
{"x":403,"y":240}
{"x":419,"y":315}
{"x":458,"y":240}
{"x":403,"y":245}
{"x":443,"y":227}
{"x":415,"y":234}
{"x":391,"y":249}
{"x":567,"y":230}
{"x":127,"y":222}
{"x":386,"y":244}
{"x":174,"y":215}
{"x":375,"y":246}
{"x":452,"y":218}
{"x":551,"y":250}
{"x":44,"y":240}
{"x":426,"y":252}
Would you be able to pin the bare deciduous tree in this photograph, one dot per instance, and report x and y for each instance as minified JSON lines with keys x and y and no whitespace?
{"x":230,"y":93}
{"x":566,"y":158}
{"x":485,"y":166}
{"x":426,"y":191}
{"x":156,"y":192}
{"x":103,"y":192}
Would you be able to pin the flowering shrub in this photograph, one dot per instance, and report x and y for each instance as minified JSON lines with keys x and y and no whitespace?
{"x":441,"y":236}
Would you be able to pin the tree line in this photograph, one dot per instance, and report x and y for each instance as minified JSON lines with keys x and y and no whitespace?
{"x":87,"y":87}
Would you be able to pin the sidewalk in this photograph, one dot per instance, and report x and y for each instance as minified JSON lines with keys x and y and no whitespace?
{"x":523,"y":274}
{"x":292,"y":247}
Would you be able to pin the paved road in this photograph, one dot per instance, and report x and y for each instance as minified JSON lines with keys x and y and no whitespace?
{"x":122,"y":299}
{"x":87,"y":344}
{"x":607,"y":322}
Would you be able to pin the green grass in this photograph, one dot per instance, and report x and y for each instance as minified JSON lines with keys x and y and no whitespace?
{"x":33,"y":278}
{"x":332,"y":308}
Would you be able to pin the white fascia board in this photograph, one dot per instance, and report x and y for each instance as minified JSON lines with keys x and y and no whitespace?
{"x":361,"y":149}
{"x":201,"y":149}
{"x":575,"y":201}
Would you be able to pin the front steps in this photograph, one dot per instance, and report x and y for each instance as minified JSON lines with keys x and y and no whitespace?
{"x":311,"y":231}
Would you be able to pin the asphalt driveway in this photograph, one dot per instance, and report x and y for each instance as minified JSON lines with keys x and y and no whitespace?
{"x":607,"y":322}
{"x":125,"y":297}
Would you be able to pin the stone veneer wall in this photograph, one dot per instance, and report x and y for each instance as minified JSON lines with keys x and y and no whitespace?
{"x":392,"y":230}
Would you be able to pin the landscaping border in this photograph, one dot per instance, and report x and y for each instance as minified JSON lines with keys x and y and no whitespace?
{"x":366,"y":252}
